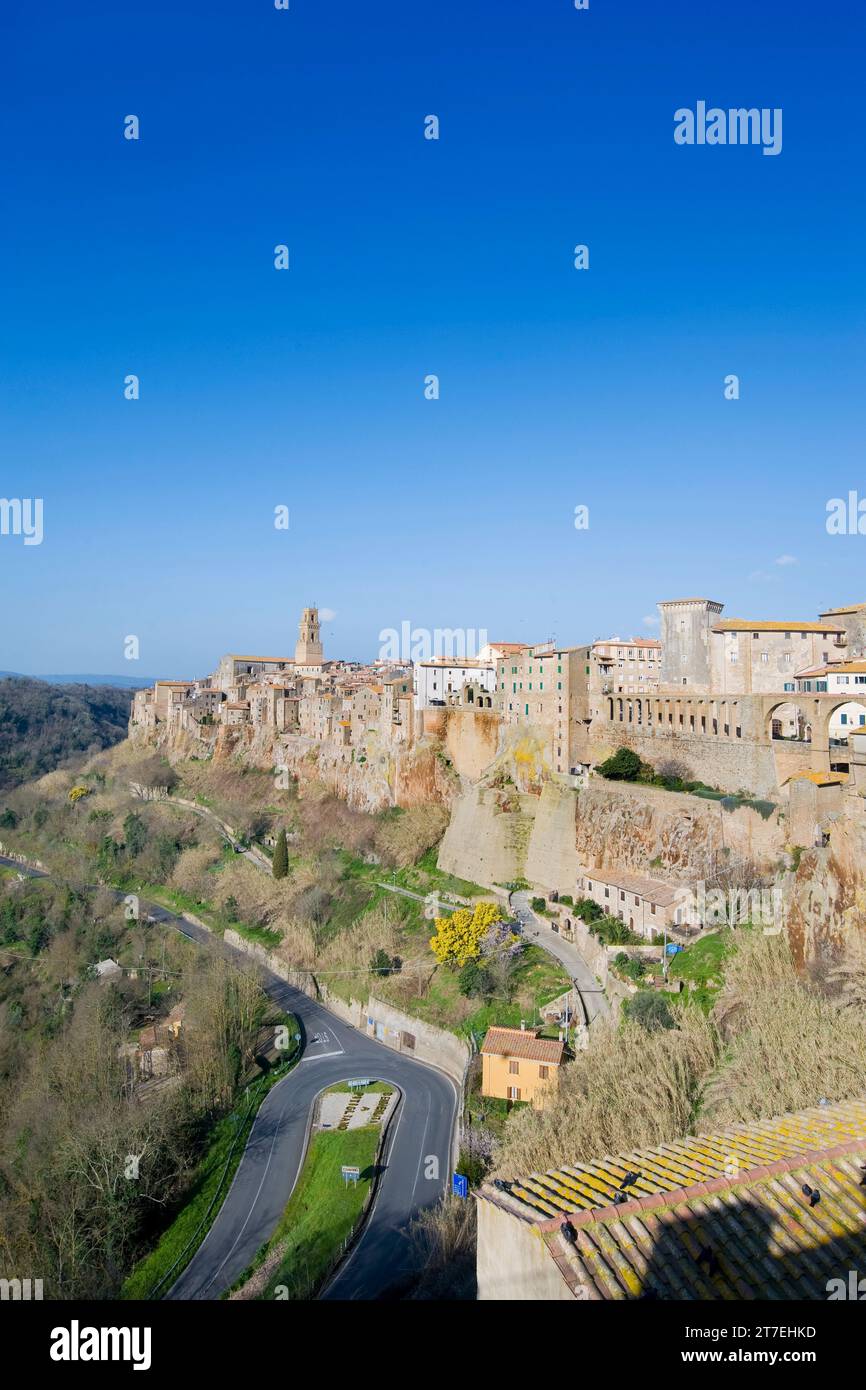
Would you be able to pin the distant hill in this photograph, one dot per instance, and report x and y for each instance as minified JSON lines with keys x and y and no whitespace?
{"x":44,"y":726}
{"x":122,"y":682}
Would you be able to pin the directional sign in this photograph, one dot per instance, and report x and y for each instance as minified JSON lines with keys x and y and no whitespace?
{"x":673,"y":948}
{"x":459,"y":1185}
{"x":350,"y":1173}
{"x":365,"y":1081}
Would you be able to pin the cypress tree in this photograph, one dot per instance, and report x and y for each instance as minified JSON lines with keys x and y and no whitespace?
{"x":281,"y":856}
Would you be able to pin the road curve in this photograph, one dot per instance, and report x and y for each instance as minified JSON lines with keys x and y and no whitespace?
{"x":416,"y":1163}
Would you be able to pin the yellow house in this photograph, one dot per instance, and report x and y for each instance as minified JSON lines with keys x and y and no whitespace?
{"x":518,"y":1065}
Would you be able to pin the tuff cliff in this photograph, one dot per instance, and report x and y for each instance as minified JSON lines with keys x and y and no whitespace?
{"x":370,"y":778}
{"x":499,"y":833}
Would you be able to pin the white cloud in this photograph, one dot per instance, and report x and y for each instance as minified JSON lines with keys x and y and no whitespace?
{"x":327,"y":615}
{"x":786,"y":560}
{"x":651,"y":620}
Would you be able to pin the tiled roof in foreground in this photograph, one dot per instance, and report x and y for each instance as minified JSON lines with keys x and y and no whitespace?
{"x":771,"y":1210}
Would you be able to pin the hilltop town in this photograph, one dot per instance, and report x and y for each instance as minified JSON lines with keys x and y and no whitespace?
{"x":741,"y":704}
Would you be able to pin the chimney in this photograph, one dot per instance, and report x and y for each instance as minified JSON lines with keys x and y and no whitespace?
{"x":523,"y":1025}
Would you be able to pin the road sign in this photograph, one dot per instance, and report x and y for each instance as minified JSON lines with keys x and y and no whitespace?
{"x":350,"y":1173}
{"x":364,"y":1081}
{"x":673,"y":948}
{"x":459,"y":1185}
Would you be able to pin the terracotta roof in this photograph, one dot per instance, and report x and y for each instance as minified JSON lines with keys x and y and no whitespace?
{"x":838,"y":612}
{"x":745,"y":625}
{"x":655,"y":890}
{"x":724,"y":1215}
{"x":519,"y":1042}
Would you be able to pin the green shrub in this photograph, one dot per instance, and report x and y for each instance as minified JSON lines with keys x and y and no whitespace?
{"x":624,"y":766}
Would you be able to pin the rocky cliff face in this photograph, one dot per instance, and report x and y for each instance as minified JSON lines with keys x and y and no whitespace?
{"x":376,"y":777}
{"x":498,"y":835}
{"x":825,"y":895}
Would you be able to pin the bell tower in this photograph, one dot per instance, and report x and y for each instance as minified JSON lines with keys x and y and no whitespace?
{"x":308,"y":650}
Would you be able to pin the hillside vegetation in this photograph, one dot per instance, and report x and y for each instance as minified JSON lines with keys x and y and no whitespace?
{"x":44,"y":726}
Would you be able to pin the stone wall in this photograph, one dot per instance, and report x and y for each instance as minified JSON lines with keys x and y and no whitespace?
{"x":484,"y":842}
{"x":400,"y":1031}
{"x":416,"y":1038}
{"x":730,"y":764}
{"x":609,"y":824}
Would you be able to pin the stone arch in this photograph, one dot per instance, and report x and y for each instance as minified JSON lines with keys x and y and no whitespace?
{"x":780,"y":721}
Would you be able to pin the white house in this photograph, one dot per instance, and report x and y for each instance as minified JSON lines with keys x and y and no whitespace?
{"x":839,"y":678}
{"x":441,"y":680}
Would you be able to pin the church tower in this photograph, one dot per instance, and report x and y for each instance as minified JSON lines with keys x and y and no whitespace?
{"x":308,"y":651}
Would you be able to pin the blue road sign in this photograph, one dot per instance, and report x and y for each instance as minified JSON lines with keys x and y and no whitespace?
{"x":673,"y":948}
{"x":459,"y":1185}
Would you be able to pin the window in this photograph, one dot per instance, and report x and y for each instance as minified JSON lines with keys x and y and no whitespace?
{"x":765,"y":657}
{"x":513,"y":1068}
{"x":514,"y":1093}
{"x":543,"y":1073}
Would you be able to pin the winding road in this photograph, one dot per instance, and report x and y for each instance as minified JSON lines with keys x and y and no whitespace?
{"x":415,"y":1166}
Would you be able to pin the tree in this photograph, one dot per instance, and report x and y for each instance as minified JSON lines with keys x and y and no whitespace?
{"x":650,"y":1010}
{"x":8,"y":820}
{"x":538,"y":904}
{"x":382,"y":963}
{"x":474,"y":981}
{"x":134,"y":833}
{"x":587,"y":910}
{"x":280,"y":867}
{"x":458,"y":937}
{"x":624,"y":766}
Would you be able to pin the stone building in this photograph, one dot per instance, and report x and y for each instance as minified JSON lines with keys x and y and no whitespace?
{"x":686,"y":627}
{"x":309,"y":654}
{"x":627,"y":666}
{"x":750,"y":657}
{"x":440,"y":680}
{"x":853,"y":620}
{"x":547,"y":688}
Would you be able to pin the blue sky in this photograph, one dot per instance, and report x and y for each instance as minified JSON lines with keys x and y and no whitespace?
{"x":411,"y":257}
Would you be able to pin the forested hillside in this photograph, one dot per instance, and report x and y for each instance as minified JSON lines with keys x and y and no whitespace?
{"x":44,"y":726}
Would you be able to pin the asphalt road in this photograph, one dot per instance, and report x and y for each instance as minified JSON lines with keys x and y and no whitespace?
{"x":539,"y":930}
{"x":416,"y":1164}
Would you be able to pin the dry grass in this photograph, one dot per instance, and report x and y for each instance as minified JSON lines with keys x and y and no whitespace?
{"x":631,"y":1089}
{"x":789,"y":1043}
{"x":444,"y":1236}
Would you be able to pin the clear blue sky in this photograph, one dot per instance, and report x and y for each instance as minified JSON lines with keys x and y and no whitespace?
{"x":411,"y":257}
